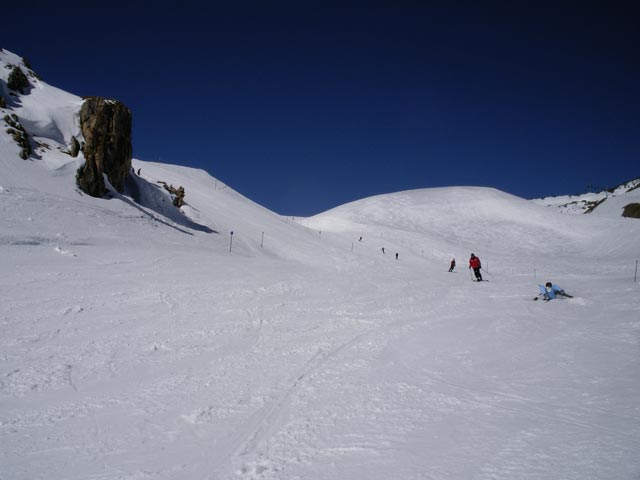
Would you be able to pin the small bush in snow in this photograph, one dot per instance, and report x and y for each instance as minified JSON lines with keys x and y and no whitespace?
{"x":17,"y":80}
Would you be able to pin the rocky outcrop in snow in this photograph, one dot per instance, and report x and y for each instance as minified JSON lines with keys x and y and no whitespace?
{"x":74,"y":147}
{"x":19,"y":135}
{"x":614,"y":202}
{"x":632,"y":210}
{"x":18,"y":81}
{"x":106,"y":128}
{"x":177,"y":194}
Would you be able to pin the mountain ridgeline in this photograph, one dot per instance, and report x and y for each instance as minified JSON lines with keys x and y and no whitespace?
{"x":44,"y":122}
{"x":618,"y":201}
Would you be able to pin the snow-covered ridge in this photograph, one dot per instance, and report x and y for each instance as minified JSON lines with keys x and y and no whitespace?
{"x":607,"y":202}
{"x":49,"y":115}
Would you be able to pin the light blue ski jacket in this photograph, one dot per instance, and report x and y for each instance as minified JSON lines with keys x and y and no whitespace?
{"x":550,"y":294}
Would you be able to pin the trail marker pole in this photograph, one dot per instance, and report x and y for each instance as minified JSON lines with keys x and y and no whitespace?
{"x":262,"y":241}
{"x":230,"y":241}
{"x":635,"y":276}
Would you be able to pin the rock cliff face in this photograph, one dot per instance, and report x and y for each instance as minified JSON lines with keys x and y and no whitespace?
{"x":106,"y":127}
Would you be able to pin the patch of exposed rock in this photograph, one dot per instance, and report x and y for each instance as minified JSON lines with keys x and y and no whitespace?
{"x":177,"y":194}
{"x":632,"y":210}
{"x":19,"y":134}
{"x":74,"y":148}
{"x":106,"y":128}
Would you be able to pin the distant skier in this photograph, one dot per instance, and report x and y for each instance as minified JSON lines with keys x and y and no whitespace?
{"x":549,"y":291}
{"x":452,"y":265}
{"x":396,"y":255}
{"x":474,"y":262}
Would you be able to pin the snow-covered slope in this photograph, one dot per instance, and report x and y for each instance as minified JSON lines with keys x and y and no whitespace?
{"x":606,"y":203}
{"x":444,"y":222}
{"x":49,"y":115}
{"x":137,"y":341}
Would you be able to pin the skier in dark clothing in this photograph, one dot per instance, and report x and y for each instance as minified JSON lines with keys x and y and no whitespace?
{"x":474,"y":262}
{"x":453,"y":265}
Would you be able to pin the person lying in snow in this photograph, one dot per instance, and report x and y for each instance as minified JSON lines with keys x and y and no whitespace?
{"x":550,"y":291}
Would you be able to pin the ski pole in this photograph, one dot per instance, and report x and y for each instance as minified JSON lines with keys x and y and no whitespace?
{"x":486,"y":272}
{"x":470,"y":274}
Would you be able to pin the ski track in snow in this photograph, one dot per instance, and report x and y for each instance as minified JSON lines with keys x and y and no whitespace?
{"x":264,"y":446}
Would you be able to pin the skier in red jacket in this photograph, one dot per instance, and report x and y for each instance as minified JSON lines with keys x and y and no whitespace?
{"x":474,"y":262}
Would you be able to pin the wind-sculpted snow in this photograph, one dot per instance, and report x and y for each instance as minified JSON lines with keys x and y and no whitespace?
{"x":141,"y":341}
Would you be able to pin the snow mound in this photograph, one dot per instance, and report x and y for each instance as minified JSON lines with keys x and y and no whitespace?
{"x":450,"y":222}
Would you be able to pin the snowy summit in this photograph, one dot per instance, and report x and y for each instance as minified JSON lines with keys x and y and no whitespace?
{"x":219,"y":340}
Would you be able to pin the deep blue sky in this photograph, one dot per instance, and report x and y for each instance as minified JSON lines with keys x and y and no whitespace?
{"x":303,"y":106}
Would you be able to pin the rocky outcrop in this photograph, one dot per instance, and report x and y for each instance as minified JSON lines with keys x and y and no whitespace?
{"x":18,"y":80}
{"x":19,"y":134}
{"x":106,"y":128}
{"x":74,"y":148}
{"x":177,"y":194}
{"x":632,"y":210}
